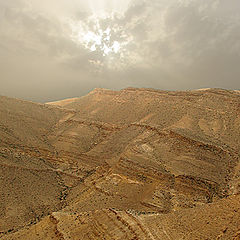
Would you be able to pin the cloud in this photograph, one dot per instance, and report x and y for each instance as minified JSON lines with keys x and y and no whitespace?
{"x":167,"y":44}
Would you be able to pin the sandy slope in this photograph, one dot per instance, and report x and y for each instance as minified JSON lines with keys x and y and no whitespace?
{"x":135,"y":163}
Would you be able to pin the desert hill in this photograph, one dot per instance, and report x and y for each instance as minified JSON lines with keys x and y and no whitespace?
{"x":135,"y":163}
{"x":218,"y":220}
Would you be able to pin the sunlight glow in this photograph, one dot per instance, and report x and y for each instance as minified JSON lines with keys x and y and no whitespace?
{"x":100,"y":40}
{"x":93,"y":36}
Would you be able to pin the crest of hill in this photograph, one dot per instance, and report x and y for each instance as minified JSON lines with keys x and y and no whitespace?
{"x":212,"y":113}
{"x":70,"y":102}
{"x":62,"y":103}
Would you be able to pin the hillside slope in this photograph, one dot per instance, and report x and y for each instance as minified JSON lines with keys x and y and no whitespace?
{"x":143,"y":154}
{"x":219,"y":220}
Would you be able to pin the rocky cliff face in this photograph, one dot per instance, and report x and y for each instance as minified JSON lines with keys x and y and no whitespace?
{"x":135,"y":163}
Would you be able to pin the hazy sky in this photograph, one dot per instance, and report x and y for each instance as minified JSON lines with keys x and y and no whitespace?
{"x":54,"y":49}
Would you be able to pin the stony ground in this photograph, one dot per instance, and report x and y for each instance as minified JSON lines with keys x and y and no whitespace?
{"x":135,"y":163}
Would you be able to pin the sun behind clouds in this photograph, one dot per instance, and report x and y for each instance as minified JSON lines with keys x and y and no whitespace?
{"x":101,"y":39}
{"x":95,"y":37}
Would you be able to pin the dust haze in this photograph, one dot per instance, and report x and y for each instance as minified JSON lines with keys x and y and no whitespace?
{"x":60,"y":49}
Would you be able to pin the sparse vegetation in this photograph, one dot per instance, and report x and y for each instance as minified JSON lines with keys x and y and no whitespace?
{"x":133,"y":164}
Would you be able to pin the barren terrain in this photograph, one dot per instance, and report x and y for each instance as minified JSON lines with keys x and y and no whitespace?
{"x":133,"y":164}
